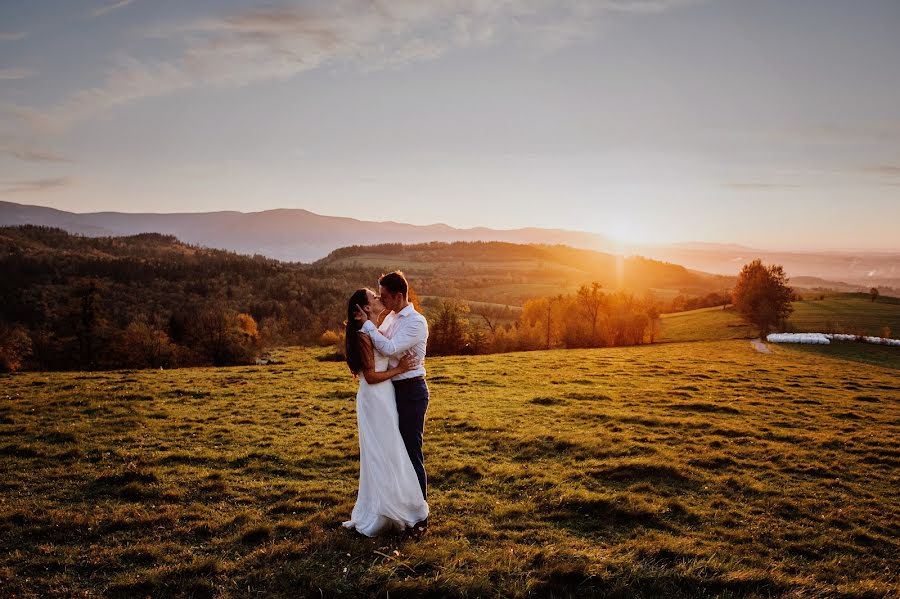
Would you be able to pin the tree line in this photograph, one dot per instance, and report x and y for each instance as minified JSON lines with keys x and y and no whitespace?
{"x":589,"y":318}
{"x":69,"y":302}
{"x":76,"y":303}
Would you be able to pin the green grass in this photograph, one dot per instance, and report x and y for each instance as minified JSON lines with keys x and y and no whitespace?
{"x":718,"y":323}
{"x":846,"y":313}
{"x":701,"y":469}
{"x":843,"y":313}
{"x":867,"y":353}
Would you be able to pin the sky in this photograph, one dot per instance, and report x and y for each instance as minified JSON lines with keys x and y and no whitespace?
{"x":771,"y":123}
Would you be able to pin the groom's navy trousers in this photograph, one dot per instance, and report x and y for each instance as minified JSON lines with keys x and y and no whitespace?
{"x":412,"y":402}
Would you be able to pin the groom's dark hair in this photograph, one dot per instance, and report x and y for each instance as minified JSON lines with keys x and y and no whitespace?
{"x":394,"y":282}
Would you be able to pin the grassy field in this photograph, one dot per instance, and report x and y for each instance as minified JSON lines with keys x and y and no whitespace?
{"x":850,"y":313}
{"x":718,"y":323}
{"x":700,"y":469}
{"x":879,"y":355}
{"x":847,"y":313}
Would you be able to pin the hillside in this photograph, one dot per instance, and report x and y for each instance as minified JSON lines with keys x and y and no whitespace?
{"x":150,"y":300}
{"x":842,"y":271}
{"x":510,"y":274}
{"x":847,"y":313}
{"x":852,"y":313}
{"x":299,"y":235}
{"x":656,"y":471}
{"x":89,"y":302}
{"x":706,"y":324}
{"x":286,"y":234}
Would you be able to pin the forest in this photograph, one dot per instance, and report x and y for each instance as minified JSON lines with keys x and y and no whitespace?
{"x":69,"y":302}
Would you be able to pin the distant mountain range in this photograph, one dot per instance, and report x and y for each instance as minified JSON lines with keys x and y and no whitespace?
{"x":286,"y":234}
{"x":840,"y":270}
{"x":300,"y":235}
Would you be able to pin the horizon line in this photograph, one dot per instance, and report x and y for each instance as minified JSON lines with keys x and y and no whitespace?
{"x":628,"y":246}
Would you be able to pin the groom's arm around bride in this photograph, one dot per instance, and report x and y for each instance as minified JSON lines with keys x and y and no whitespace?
{"x":405,"y":330}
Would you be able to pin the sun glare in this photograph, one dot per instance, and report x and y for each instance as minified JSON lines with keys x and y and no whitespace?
{"x":626,"y":233}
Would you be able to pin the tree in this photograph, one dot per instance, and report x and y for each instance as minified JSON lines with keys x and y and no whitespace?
{"x":447,"y":332}
{"x":544,"y":316}
{"x":591,"y":301}
{"x":225,"y":338}
{"x":762,"y":296}
{"x":143,"y":345}
{"x":653,"y":316}
{"x":874,"y":293}
{"x":492,"y":315}
{"x":247,"y":328}
{"x":90,"y":323}
{"x":15,"y":346}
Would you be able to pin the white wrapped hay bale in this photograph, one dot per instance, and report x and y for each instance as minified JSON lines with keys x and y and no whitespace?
{"x":842,"y":337}
{"x":805,"y":338}
{"x":827,"y":338}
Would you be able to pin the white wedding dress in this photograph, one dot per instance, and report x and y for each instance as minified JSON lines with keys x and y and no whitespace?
{"x":389,"y":495}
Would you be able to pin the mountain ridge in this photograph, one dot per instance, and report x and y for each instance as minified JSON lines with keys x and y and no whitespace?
{"x":300,"y":235}
{"x":292,"y":234}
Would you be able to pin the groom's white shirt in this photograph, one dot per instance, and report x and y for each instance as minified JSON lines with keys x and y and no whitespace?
{"x":401,"y":332}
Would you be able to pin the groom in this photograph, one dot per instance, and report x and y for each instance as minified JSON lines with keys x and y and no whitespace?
{"x":404,"y":331}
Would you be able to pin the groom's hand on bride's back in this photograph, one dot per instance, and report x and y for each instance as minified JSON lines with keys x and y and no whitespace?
{"x":408,"y":362}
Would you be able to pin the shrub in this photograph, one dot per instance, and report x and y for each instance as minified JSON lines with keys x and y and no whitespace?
{"x":15,"y":346}
{"x":329,"y":338}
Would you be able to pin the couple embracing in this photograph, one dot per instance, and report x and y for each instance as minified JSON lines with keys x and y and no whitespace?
{"x":385,"y":348}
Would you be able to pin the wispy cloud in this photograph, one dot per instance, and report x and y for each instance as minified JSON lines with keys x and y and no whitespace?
{"x":35,"y":185}
{"x":34,"y":155}
{"x":646,"y":6}
{"x":10,"y":74}
{"x":11,"y":36}
{"x":102,"y":10}
{"x":758,"y":185}
{"x":282,"y":42}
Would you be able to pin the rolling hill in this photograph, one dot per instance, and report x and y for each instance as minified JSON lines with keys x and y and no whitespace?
{"x":510,"y":274}
{"x":842,"y":271}
{"x":287,"y":234}
{"x":300,"y":235}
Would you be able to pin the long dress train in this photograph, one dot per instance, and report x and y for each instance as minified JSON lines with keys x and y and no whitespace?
{"x":389,"y":494}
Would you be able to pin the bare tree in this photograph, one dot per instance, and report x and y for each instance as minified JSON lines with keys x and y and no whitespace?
{"x":492,"y":315}
{"x":591,"y":300}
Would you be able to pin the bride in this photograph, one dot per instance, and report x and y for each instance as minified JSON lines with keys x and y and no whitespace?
{"x":389,"y":497}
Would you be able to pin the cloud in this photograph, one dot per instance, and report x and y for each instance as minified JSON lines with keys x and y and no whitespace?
{"x":10,"y":74}
{"x":282,"y":42}
{"x":102,"y":10}
{"x":756,"y":185}
{"x":647,"y":6}
{"x":35,"y":185}
{"x":33,"y":155}
{"x":11,"y":36}
{"x":889,"y":170}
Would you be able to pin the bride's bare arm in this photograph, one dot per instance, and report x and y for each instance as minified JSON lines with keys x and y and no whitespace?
{"x":372,"y":377}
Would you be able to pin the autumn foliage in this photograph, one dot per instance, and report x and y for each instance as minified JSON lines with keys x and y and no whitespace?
{"x":762,"y":296}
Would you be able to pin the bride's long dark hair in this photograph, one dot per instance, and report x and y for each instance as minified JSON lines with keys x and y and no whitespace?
{"x":352,"y":350}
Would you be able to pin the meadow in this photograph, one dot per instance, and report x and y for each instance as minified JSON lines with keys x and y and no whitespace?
{"x":848,"y":313}
{"x":699,"y":469}
{"x":837,"y":313}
